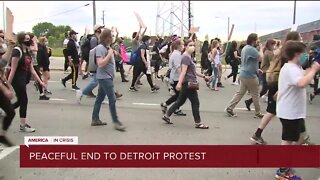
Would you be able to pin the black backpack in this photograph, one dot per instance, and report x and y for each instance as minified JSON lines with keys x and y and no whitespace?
{"x":85,"y":46}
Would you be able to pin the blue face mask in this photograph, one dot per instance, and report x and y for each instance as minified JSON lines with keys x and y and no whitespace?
{"x":303,"y":59}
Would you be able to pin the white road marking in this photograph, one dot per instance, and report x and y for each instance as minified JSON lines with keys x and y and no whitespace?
{"x":6,"y":151}
{"x":244,"y":109}
{"x":145,"y":104}
{"x":56,"y":99}
{"x":57,"y":82}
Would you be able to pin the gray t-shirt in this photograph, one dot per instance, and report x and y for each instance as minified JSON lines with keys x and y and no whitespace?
{"x":191,"y":71}
{"x":107,"y":71}
{"x":249,"y":62}
{"x":93,"y":42}
{"x":135,"y":45}
{"x":174,"y":64}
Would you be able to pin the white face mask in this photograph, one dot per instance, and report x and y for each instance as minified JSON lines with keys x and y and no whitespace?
{"x":4,"y":48}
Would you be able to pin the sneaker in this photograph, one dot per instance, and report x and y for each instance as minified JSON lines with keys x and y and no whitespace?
{"x":5,"y":141}
{"x":43,"y":97}
{"x":311,"y":97}
{"x":288,"y":174}
{"x":74,"y":88}
{"x":166,"y":119}
{"x":85,"y":76}
{"x":27,"y":128}
{"x":164,"y":107}
{"x":258,"y":115}
{"x":307,"y":142}
{"x":133,"y":89}
{"x":155,"y":89}
{"x":125,"y":80}
{"x":258,"y":140}
{"x":46,"y":91}
{"x":63,"y":83}
{"x":98,"y":123}
{"x":230,"y":112}
{"x":79,"y":96}
{"x":139,"y":83}
{"x":179,"y":113}
{"x":247,"y":105}
{"x":119,"y":126}
{"x":91,"y":95}
{"x":118,"y":95}
{"x":235,"y":84}
{"x":36,"y":86}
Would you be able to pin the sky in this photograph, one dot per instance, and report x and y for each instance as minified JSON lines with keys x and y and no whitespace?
{"x":262,"y":17}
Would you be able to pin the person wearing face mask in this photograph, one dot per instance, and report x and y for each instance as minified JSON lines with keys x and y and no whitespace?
{"x":265,"y":64}
{"x":274,"y":68}
{"x":43,"y":59}
{"x":105,"y":77}
{"x":6,"y":94}
{"x":21,"y":65}
{"x":74,"y":59}
{"x":118,"y":58}
{"x":174,"y":66}
{"x":142,"y":66}
{"x":291,"y":98}
{"x":214,"y":57}
{"x":188,"y":86}
{"x":6,"y":47}
{"x":250,"y":58}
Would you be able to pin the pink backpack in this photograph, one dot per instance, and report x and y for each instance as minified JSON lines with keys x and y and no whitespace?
{"x":124,"y":53}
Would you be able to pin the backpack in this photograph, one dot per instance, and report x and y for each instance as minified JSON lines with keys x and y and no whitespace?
{"x":135,"y":56}
{"x":92,"y":67}
{"x":124,"y":55}
{"x":85,"y":44}
{"x":273,"y":72}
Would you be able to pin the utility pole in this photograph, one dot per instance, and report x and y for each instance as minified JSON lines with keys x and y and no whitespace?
{"x":294,"y":12}
{"x":4,"y":16}
{"x":228,"y":27}
{"x":189,"y":13}
{"x":103,"y":17}
{"x":94,"y":12}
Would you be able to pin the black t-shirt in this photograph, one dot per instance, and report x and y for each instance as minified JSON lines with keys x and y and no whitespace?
{"x":145,"y":47}
{"x":155,"y":48}
{"x":24,"y":64}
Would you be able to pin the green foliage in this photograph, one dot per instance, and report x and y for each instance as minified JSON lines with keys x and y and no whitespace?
{"x":54,"y":34}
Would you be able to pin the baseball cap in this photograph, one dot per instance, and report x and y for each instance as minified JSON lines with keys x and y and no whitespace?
{"x":72,"y":32}
{"x":98,"y":26}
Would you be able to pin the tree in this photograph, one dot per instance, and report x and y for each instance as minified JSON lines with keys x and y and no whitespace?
{"x":43,"y":29}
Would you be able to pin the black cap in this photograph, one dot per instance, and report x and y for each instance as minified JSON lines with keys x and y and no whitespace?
{"x":72,"y":32}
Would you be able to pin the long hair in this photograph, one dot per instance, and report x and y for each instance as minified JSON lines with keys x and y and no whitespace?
{"x":269,"y":45}
{"x":205,"y":46}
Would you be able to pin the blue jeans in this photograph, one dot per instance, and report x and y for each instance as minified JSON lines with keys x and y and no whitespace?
{"x":105,"y":88}
{"x":92,"y":84}
{"x":215,"y":73}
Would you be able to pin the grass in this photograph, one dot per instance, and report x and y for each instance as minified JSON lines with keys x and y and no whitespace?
{"x":57,"y":52}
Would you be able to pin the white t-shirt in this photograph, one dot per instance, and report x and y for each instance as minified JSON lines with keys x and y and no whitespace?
{"x":65,"y":42}
{"x":174,"y":65}
{"x":291,"y":100}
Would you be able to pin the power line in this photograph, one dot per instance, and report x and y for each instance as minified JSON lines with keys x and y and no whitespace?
{"x":64,"y":12}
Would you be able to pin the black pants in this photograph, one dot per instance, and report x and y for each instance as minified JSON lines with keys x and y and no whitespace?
{"x":137,"y":70}
{"x":234,"y":72}
{"x":120,"y":67}
{"x":20,"y":89}
{"x":185,"y":94}
{"x":73,"y":75}
{"x":264,"y":88}
{"x":7,"y":107}
{"x":37,"y":69}
{"x":66,"y":61}
{"x":173,"y":98}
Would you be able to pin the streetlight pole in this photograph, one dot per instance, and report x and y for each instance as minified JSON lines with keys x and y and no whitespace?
{"x":4,"y":16}
{"x":294,"y":12}
{"x":94,"y":12}
{"x":228,"y":27}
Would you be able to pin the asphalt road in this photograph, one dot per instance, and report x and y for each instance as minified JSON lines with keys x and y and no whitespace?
{"x":141,"y":113}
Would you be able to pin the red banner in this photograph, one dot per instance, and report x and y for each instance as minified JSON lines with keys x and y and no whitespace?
{"x":165,"y":156}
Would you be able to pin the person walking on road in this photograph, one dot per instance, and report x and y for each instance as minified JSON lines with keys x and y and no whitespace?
{"x":65,"y":43}
{"x":235,"y":59}
{"x":20,"y":68}
{"x":188,"y":86}
{"x":105,"y":77}
{"x":250,"y":58}
{"x":175,"y":70}
{"x":74,"y":59}
{"x":118,"y":58}
{"x":44,"y":52}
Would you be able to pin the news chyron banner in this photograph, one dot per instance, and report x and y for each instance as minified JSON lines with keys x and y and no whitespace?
{"x":65,"y":152}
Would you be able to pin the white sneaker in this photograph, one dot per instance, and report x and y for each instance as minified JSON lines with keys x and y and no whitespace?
{"x":79,"y":96}
{"x":235,"y":84}
{"x":26,"y":128}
